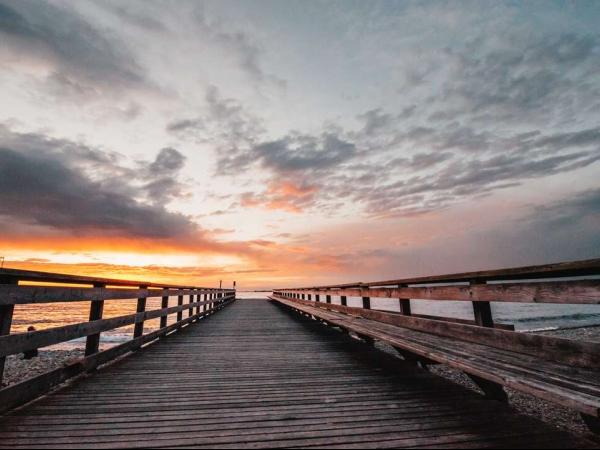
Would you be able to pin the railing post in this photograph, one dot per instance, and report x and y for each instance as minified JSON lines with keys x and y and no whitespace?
{"x":180,"y":312}
{"x":191,"y":309}
{"x":92,"y":343}
{"x":317,"y":296}
{"x":366,"y":302}
{"x":164,"y":304}
{"x":343,"y":300}
{"x":141,"y":308}
{"x":328,"y":298}
{"x":198,"y":300}
{"x":404,"y":303}
{"x":6,"y":316}
{"x":482,"y":311}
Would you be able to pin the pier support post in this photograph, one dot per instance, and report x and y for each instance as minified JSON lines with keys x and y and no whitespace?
{"x":404,"y":304}
{"x":6,"y":316}
{"x":483,"y":317}
{"x":92,"y":342}
{"x":179,"y":303}
{"x":343,"y":300}
{"x":493,"y":391}
{"x":366,"y":302}
{"x":198,"y":300}
{"x":593,"y":423}
{"x":164,"y":304}
{"x":141,"y":308}
{"x":482,"y":311}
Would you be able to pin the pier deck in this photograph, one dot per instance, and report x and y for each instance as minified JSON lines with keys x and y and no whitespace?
{"x":256,"y":375}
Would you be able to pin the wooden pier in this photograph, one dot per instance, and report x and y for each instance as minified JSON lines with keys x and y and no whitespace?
{"x":269,"y":374}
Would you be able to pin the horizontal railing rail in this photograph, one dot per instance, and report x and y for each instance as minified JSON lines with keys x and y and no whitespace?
{"x":21,"y":287}
{"x":575,"y":282}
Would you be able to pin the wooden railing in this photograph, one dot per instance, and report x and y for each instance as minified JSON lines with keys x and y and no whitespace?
{"x":564,"y":371}
{"x":19,"y":287}
{"x":532,"y":284}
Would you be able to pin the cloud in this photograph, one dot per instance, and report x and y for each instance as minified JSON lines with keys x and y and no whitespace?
{"x":71,"y":55}
{"x":285,"y":196}
{"x":304,"y":152}
{"x":60,"y":185}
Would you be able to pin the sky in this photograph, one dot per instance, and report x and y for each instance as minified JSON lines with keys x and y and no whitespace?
{"x":291,"y":143}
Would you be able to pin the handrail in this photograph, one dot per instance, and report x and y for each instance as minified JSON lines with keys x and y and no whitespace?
{"x":550,"y":283}
{"x":51,"y":277}
{"x":201,"y":302}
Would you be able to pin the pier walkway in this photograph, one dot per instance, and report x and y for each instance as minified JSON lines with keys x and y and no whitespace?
{"x":255,"y":374}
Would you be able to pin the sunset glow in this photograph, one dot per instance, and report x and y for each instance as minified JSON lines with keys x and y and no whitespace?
{"x":289,"y":143}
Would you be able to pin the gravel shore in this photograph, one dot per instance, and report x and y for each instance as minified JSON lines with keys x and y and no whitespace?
{"x":18,"y":369}
{"x":551,"y":413}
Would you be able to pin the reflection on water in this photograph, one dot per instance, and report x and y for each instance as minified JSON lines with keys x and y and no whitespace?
{"x":524,"y":316}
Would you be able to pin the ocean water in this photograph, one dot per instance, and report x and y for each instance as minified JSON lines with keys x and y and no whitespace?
{"x":524,"y":316}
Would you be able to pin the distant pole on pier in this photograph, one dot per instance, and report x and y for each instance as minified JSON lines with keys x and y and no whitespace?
{"x":220,"y":284}
{"x":234,"y":284}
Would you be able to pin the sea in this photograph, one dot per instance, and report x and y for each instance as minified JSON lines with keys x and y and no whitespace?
{"x":524,"y":316}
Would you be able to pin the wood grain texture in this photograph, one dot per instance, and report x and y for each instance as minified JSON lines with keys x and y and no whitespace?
{"x":567,"y":292}
{"x":566,"y":351}
{"x":560,"y":383}
{"x":16,"y":295}
{"x":257,"y":376}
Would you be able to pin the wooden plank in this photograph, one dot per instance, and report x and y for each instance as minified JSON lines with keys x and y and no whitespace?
{"x":460,"y":357}
{"x":6,"y":316}
{"x":138,"y":329}
{"x":47,"y":277}
{"x":262,"y":382}
{"x":14,"y":295}
{"x":164,"y":304}
{"x":180,"y":312}
{"x":576,"y":353}
{"x":568,"y":292}
{"x":92,"y":342}
{"x":32,"y":388}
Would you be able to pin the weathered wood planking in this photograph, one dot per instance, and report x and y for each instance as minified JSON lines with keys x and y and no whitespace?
{"x":568,"y":351}
{"x":578,"y":389}
{"x":255,"y":376}
{"x":48,"y":277}
{"x":30,"y":389}
{"x":584,"y":292}
{"x":16,"y":295}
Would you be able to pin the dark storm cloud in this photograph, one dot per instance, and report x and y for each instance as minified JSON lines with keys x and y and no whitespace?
{"x":82,"y":58}
{"x":62,"y":185}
